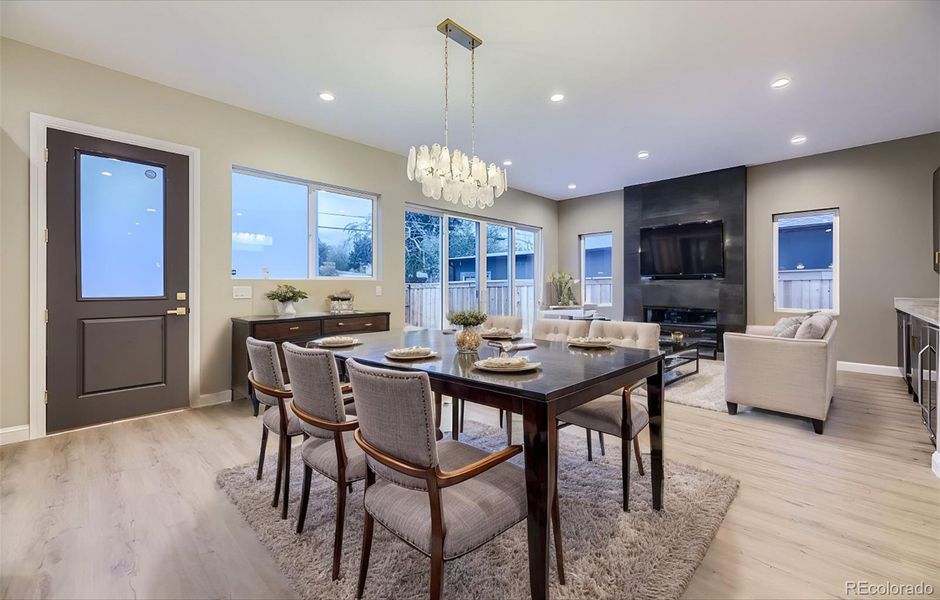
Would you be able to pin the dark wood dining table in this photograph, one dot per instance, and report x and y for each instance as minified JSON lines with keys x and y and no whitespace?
{"x":568,"y":377}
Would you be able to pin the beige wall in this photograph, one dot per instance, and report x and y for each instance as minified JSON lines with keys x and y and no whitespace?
{"x":883,"y":192}
{"x":34,"y":80}
{"x":592,"y":214}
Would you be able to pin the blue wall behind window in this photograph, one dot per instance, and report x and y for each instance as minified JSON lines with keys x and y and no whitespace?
{"x":809,"y":245}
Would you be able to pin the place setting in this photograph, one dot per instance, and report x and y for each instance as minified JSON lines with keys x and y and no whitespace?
{"x":500,"y":333}
{"x":590,"y":343}
{"x":411,"y":353}
{"x":336,"y":341}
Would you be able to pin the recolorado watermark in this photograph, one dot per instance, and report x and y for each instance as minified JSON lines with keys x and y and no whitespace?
{"x":887,"y":588}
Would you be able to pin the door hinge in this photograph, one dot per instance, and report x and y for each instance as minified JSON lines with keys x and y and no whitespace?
{"x":45,"y":154}
{"x":45,"y":315}
{"x":45,"y":396}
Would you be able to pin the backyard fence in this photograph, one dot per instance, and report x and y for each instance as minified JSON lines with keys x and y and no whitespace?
{"x":809,"y":289}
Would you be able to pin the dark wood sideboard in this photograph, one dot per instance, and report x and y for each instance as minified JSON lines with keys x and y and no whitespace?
{"x":299,"y":329}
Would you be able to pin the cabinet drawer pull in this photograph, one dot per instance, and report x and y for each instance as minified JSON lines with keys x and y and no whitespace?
{"x":340,"y":324}
{"x":368,"y":325}
{"x":294,"y":328}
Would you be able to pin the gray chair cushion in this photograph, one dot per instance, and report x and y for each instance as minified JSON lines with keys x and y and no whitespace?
{"x":320,"y":455}
{"x":272,"y":420}
{"x":787,"y":327}
{"x":814,"y":328}
{"x":606,"y":414}
{"x":475,"y":511}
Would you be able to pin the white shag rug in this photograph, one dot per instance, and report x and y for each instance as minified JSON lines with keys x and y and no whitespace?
{"x":705,"y":389}
{"x":642,"y":554}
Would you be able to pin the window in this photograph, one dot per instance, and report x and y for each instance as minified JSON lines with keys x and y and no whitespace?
{"x":286,"y":228}
{"x":806,"y":261}
{"x":597,"y":268}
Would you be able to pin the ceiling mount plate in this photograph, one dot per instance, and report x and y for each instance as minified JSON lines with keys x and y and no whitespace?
{"x":459,"y":34}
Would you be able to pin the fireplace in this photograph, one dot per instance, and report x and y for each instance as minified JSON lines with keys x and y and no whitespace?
{"x":695,"y":322}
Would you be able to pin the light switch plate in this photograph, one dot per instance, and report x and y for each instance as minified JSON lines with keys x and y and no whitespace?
{"x":378,"y":290}
{"x":241,"y":291}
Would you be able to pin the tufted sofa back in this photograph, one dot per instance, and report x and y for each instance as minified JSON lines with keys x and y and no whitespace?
{"x":558,"y":330}
{"x":628,"y":333}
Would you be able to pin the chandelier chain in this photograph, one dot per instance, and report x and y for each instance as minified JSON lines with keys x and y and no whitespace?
{"x":446,"y":78}
{"x":473,"y":102}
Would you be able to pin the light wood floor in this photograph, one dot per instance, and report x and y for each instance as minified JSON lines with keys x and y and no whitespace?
{"x":132,"y":510}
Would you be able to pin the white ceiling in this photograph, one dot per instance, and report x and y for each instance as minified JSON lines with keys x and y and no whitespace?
{"x":687,"y":81}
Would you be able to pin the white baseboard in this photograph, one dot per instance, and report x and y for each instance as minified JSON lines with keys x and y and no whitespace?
{"x":854,"y":367}
{"x":214,"y":398}
{"x":935,"y":463}
{"x":12,"y":435}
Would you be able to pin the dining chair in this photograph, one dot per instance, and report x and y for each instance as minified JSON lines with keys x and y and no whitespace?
{"x":267,"y":385}
{"x":513,"y":324}
{"x":444,"y":499}
{"x":329,"y":447}
{"x":558,"y":330}
{"x":618,"y":414}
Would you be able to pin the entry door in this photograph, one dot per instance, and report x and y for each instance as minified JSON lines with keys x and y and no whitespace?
{"x":118,"y":272}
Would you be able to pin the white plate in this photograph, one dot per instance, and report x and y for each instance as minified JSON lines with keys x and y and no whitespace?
{"x":591,"y":344}
{"x":526,"y":367}
{"x":491,"y":336}
{"x":328,"y":345}
{"x":391,"y":356}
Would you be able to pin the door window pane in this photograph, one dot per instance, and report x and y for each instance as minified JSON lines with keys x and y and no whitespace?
{"x":596,"y":269}
{"x":121,"y":230}
{"x":462,"y":249}
{"x":498,"y":276}
{"x":423,"y":285}
{"x":269,"y":228}
{"x":525,"y":297}
{"x":805,"y":251}
{"x":344,"y":235}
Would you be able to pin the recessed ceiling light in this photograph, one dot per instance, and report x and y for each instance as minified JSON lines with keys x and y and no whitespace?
{"x":106,"y":173}
{"x":780,"y":82}
{"x":798,"y":139}
{"x":557,"y":97}
{"x":507,"y":163}
{"x":327,"y":96}
{"x":571,"y":186}
{"x":643,"y":154}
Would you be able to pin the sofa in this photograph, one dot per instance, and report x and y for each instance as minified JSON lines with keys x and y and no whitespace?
{"x":793,"y":376}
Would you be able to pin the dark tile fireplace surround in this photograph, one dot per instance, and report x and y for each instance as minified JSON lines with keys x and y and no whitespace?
{"x":713,"y":305}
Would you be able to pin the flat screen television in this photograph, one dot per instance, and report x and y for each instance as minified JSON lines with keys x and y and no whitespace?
{"x":685,"y":251}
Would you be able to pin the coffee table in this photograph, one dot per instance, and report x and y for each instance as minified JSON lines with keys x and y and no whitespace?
{"x":682,"y":358}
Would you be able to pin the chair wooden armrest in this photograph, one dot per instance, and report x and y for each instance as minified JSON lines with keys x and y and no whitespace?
{"x":390,"y":461}
{"x":322,"y":423}
{"x":449,"y":478}
{"x":270,"y":391}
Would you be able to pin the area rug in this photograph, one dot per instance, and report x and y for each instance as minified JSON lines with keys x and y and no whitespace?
{"x":609,"y":553}
{"x":705,"y":389}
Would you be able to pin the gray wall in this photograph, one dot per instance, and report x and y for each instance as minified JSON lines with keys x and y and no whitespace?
{"x":883,"y":192}
{"x":592,"y":214}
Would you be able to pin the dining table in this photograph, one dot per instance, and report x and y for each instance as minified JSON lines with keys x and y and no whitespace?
{"x":567,"y":377}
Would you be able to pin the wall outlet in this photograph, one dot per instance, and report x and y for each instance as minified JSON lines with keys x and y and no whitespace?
{"x":378,"y":290}
{"x":241,"y":291}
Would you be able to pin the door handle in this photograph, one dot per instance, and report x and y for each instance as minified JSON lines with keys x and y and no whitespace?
{"x":920,"y":375}
{"x":179,"y":311}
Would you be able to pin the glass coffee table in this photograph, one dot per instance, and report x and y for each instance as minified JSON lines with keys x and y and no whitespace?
{"x":682,"y":358}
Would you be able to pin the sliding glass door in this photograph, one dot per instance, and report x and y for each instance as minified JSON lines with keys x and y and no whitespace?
{"x":457,"y":263}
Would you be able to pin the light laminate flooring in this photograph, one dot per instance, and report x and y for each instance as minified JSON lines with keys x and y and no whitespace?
{"x":131,"y":510}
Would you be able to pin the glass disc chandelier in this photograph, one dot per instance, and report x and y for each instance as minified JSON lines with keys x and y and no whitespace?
{"x":453,"y":175}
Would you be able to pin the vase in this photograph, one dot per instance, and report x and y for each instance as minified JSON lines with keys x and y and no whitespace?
{"x":468,"y":340}
{"x":286,"y":309}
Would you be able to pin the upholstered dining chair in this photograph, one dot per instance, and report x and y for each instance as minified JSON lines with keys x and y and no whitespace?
{"x":268,"y":387}
{"x":329,"y":448}
{"x":498,"y":322}
{"x":558,"y":330}
{"x":444,"y":499}
{"x":619,"y":414}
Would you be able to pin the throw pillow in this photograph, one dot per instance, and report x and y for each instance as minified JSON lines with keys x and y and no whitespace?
{"x":814,"y":328}
{"x":787,"y":327}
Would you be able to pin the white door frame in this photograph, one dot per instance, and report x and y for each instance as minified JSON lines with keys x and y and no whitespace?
{"x":38,"y":124}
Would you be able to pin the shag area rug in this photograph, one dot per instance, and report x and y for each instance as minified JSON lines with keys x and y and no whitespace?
{"x":608,"y":553}
{"x":705,"y":389}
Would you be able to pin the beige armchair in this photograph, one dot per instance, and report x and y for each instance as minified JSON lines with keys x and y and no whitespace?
{"x":793,"y":376}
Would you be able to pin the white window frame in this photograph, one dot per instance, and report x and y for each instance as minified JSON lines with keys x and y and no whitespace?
{"x":834,"y":311}
{"x":582,"y":265}
{"x":312,"y":243}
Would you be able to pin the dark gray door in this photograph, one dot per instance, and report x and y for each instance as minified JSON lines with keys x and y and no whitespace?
{"x":118,"y":273}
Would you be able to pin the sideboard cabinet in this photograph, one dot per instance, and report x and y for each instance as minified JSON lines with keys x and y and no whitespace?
{"x":299,"y":329}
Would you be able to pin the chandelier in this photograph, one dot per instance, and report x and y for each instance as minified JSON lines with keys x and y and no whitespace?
{"x":452,"y":174}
